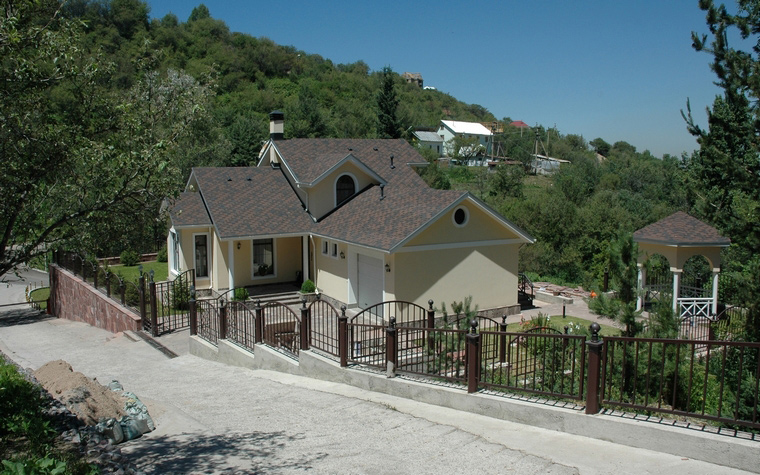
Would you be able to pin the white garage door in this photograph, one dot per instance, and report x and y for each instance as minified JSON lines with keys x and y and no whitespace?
{"x":370,"y":281}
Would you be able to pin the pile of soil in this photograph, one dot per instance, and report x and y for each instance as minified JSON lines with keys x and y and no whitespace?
{"x":85,"y":397}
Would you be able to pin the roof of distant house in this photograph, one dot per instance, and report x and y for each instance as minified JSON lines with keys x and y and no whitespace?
{"x":680,"y":229}
{"x":474,"y":128}
{"x":428,"y":136}
{"x":519,"y":123}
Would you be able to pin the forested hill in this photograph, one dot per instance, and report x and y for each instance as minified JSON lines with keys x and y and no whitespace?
{"x":253,"y":76}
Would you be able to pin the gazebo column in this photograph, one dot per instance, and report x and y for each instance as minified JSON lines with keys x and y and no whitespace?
{"x":676,"y":289}
{"x":715,"y":274}
{"x":641,"y":282}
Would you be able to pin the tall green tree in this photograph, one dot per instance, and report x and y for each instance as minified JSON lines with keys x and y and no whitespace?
{"x":389,"y":126}
{"x":726,"y":168}
{"x":80,"y":162}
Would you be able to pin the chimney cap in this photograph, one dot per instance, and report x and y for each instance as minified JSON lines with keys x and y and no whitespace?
{"x":276,"y":115}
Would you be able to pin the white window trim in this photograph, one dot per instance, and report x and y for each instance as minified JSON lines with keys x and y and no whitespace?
{"x":208,"y":256}
{"x":466,"y":216}
{"x":174,"y":252}
{"x":325,"y":247}
{"x":335,"y":186}
{"x":274,"y":262}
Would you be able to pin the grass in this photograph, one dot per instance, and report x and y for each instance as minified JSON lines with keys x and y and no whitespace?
{"x":40,"y":295}
{"x":132,"y":273}
{"x":559,"y":323}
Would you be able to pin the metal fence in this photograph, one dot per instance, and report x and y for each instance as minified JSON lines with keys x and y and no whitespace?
{"x":323,"y":327}
{"x":207,"y":318}
{"x":711,"y":380}
{"x":241,"y":323}
{"x":282,"y":328}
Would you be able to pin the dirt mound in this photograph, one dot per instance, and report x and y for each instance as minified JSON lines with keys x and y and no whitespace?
{"x":85,"y":397}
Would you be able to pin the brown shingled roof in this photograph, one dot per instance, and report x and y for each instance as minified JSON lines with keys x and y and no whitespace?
{"x":249,"y":201}
{"x":680,"y":229}
{"x":189,"y":210}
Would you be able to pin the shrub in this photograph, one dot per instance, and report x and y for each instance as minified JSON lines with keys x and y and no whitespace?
{"x":162,"y":255}
{"x":240,"y":294}
{"x":129,"y":258}
{"x":308,"y":287}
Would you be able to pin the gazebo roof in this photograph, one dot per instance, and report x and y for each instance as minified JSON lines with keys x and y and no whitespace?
{"x":680,"y":229}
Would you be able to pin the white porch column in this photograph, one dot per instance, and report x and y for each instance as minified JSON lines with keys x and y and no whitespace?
{"x":716,"y":273}
{"x":305,"y":257}
{"x":676,"y":289}
{"x":231,"y":263}
{"x":640,"y":286}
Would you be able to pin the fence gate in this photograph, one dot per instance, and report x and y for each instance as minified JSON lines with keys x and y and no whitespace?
{"x":170,"y":304}
{"x":282,"y":328}
{"x":323,"y":327}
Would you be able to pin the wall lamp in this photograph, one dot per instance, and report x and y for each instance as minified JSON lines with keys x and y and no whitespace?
{"x":342,"y":255}
{"x":238,"y":245}
{"x":387,"y":268}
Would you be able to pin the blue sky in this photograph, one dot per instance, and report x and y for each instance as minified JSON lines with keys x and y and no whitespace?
{"x":610,"y":69}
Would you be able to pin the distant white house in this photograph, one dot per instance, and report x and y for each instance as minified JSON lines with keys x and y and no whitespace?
{"x":430,"y":140}
{"x":448,"y":129}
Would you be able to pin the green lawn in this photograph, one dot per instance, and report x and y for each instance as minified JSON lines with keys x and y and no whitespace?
{"x":559,"y":323}
{"x":40,"y":295}
{"x":132,"y":273}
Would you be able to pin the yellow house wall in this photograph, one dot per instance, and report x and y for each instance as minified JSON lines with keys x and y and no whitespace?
{"x":332,"y":274}
{"x":287,"y":262}
{"x":322,"y":196}
{"x":219,"y":275}
{"x":187,"y":256}
{"x":487,"y":273}
{"x":479,"y":227}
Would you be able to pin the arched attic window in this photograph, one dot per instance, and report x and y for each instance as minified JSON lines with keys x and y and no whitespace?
{"x":345,"y":188}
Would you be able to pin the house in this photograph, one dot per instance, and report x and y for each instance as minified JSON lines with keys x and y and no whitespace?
{"x":430,"y":140}
{"x":349,"y":214}
{"x":413,"y":78}
{"x":448,"y":129}
{"x":543,"y":165}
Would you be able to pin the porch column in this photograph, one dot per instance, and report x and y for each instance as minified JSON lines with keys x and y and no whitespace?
{"x":305,"y":257}
{"x":716,"y":273}
{"x":676,"y":289}
{"x":640,"y":288}
{"x":231,"y":263}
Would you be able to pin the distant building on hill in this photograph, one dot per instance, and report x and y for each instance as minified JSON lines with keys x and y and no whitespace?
{"x":414,"y":78}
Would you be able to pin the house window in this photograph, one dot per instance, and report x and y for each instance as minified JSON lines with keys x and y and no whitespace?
{"x":460,"y":216}
{"x":201,"y":255}
{"x":174,"y":250}
{"x":325,"y":247}
{"x":263,"y":257}
{"x":344,"y":189}
{"x":334,"y":250}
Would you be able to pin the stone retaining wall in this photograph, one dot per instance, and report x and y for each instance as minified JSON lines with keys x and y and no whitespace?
{"x":74,"y":299}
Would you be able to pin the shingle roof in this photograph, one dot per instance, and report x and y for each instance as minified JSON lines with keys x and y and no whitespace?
{"x":680,"y":229}
{"x":249,"y":201}
{"x":426,"y":136}
{"x":189,"y":210}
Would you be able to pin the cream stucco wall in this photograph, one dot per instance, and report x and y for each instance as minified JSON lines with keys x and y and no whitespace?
{"x":487,"y":273}
{"x":322,"y":196}
{"x":187,"y":254}
{"x":287,"y":262}
{"x":332,"y":273}
{"x":480,"y":227}
{"x":677,"y":256}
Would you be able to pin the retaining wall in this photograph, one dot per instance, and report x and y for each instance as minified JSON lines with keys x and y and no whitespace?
{"x":74,"y":299}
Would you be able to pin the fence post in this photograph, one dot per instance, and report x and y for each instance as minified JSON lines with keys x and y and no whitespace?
{"x":391,"y":348}
{"x":108,"y":284}
{"x":594,"y":367}
{"x":343,"y":337}
{"x":193,"y":313}
{"x":473,"y":360}
{"x":153,"y":308}
{"x":305,"y":325}
{"x":503,"y":339}
{"x":258,"y":336}
{"x":95,"y":277}
{"x":141,"y":293}
{"x":223,"y":320}
{"x":123,"y":291}
{"x":431,"y":325}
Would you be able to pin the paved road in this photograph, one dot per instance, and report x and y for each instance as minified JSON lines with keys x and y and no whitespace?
{"x":213,"y":418}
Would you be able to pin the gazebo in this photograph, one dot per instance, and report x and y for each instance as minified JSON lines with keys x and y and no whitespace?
{"x":677,"y":238}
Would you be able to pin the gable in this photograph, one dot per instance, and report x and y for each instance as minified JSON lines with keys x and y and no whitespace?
{"x":322,"y":196}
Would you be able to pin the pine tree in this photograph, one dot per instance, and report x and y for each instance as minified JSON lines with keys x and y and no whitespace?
{"x":389,"y":126}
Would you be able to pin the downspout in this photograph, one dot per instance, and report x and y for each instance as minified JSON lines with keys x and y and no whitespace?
{"x":314,"y":253}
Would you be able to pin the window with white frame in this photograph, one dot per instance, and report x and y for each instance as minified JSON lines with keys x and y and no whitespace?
{"x":334,"y":252}
{"x":201,"y":255}
{"x":263,"y":257}
{"x":174,"y":243}
{"x":325,"y":246}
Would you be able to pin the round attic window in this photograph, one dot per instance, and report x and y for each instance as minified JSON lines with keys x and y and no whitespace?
{"x":461,"y":215}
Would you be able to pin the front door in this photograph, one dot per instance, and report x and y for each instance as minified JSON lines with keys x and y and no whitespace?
{"x":370,"y":281}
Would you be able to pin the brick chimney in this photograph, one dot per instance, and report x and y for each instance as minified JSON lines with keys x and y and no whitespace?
{"x":276,"y":125}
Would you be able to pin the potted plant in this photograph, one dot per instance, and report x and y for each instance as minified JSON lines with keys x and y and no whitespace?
{"x":309,"y":290}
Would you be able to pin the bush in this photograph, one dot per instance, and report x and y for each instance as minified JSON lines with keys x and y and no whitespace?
{"x":162,"y":255}
{"x":240,"y":294}
{"x":129,"y":258}
{"x":308,"y":287}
